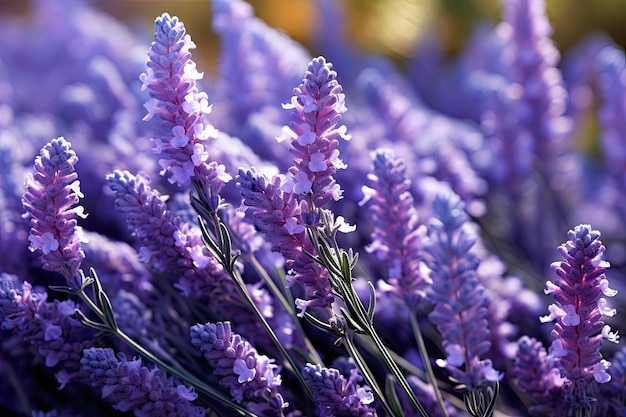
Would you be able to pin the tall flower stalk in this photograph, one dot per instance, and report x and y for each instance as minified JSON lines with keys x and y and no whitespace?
{"x":51,"y":203}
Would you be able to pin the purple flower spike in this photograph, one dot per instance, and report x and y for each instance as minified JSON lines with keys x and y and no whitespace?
{"x":50,"y":201}
{"x":167,"y":243}
{"x":249,"y":376}
{"x":337,"y":396}
{"x":129,"y":385}
{"x":277,"y":215}
{"x":579,"y":307}
{"x":317,"y":104}
{"x":460,"y":302}
{"x":185,"y":133}
{"x":537,"y":375}
{"x":397,"y":238}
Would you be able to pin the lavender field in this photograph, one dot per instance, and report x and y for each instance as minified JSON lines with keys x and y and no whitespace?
{"x":309,"y":231}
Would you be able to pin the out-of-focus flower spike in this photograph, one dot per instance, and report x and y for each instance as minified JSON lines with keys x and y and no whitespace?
{"x":51,"y":204}
{"x":459,"y":298}
{"x":397,"y":238}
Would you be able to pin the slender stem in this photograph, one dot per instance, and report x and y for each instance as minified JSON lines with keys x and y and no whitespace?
{"x":19,"y":389}
{"x":241,"y":287}
{"x":183,"y":375}
{"x":419,"y":338}
{"x":312,"y":356}
{"x":367,"y":375}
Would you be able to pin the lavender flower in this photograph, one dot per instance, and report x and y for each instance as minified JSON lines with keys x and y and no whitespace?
{"x":460,"y":303}
{"x":167,"y":244}
{"x":48,"y":326}
{"x":278,"y":216}
{"x":317,"y":105}
{"x":185,"y":133}
{"x":538,"y":376}
{"x":50,"y":202}
{"x":397,"y":238}
{"x":337,"y":396}
{"x":249,"y":376}
{"x":129,"y":385}
{"x":579,"y":330}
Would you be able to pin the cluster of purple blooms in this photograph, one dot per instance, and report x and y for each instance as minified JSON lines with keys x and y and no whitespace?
{"x":198,"y":259}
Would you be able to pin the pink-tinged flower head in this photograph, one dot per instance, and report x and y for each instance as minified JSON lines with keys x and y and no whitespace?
{"x":51,"y":203}
{"x":317,"y":105}
{"x":181,"y":108}
{"x":579,"y":306}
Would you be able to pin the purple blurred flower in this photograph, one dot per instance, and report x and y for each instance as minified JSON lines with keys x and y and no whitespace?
{"x":50,"y":202}
{"x":579,"y":330}
{"x":167,"y":244}
{"x":538,"y":376}
{"x":48,"y":326}
{"x":336,"y":395}
{"x":317,"y":105}
{"x":249,"y":376}
{"x":397,"y":238}
{"x":179,"y":105}
{"x":129,"y":385}
{"x":460,"y":303}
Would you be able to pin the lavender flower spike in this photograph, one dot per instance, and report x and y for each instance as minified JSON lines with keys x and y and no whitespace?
{"x":460,"y":303}
{"x":317,"y":104}
{"x":249,"y":376}
{"x":185,"y":133}
{"x":397,"y":237}
{"x":131,"y":386}
{"x":337,"y":396}
{"x":50,"y":201}
{"x":579,"y":330}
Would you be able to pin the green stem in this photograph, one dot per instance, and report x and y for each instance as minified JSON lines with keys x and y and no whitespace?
{"x":367,"y":375}
{"x":312,"y":355}
{"x":419,"y":338}
{"x":241,"y":287}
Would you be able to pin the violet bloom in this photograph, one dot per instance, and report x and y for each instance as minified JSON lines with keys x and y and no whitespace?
{"x":317,"y":105}
{"x":51,"y":203}
{"x":460,"y":303}
{"x":277,"y":214}
{"x":176,"y":101}
{"x":249,"y":376}
{"x":538,"y":376}
{"x":47,"y":326}
{"x":129,"y":385}
{"x":397,"y":238}
{"x":337,"y":396}
{"x":167,"y":244}
{"x":578,"y":309}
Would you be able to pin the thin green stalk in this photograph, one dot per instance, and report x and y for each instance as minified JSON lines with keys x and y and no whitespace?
{"x":241,"y":287}
{"x":393,"y":367}
{"x":367,"y":375}
{"x":419,"y":338}
{"x":19,"y":390}
{"x":312,"y":356}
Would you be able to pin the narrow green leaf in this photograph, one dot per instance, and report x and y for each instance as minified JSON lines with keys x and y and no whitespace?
{"x":352,"y":323}
{"x":90,"y":323}
{"x":392,"y":396}
{"x":371,"y":308}
{"x":107,"y":310}
{"x":64,"y":289}
{"x":346,"y":270}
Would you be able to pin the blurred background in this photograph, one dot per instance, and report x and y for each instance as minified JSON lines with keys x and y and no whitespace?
{"x":390,"y":27}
